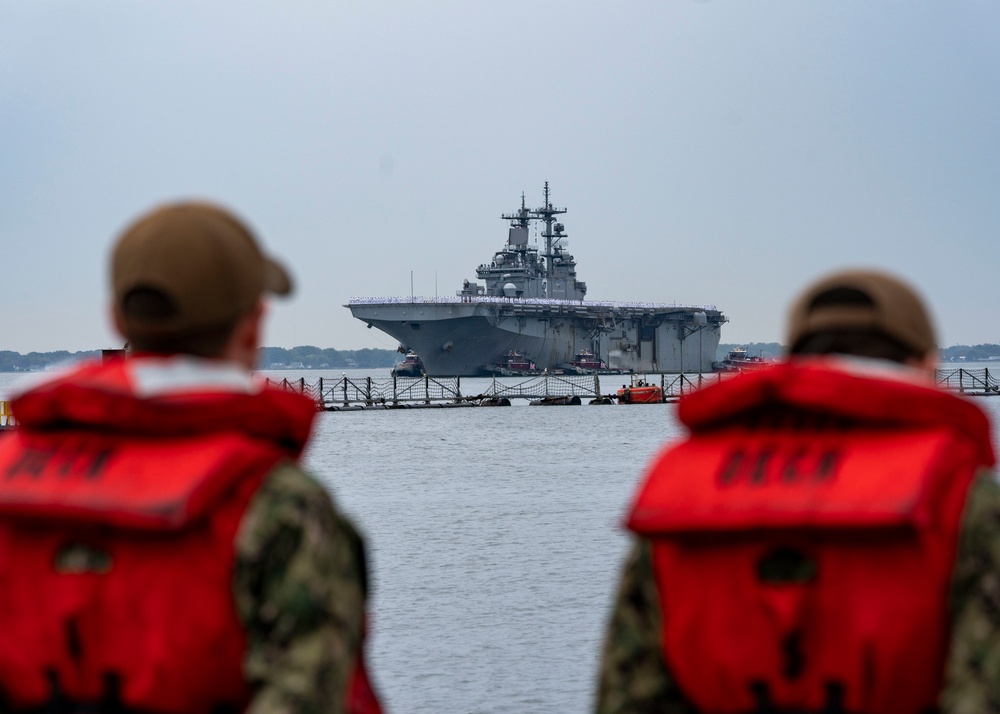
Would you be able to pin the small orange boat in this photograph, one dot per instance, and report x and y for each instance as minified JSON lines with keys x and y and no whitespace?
{"x":640,"y":393}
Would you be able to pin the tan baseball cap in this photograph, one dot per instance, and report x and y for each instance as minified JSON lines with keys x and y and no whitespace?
{"x":202,"y":258}
{"x":863,"y":301}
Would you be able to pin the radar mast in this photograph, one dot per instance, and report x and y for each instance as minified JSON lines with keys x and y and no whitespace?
{"x":521,"y":218}
{"x":552,"y":234}
{"x":546,"y":214}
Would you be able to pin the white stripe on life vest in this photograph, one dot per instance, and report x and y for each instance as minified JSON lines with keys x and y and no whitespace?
{"x":173,"y":375}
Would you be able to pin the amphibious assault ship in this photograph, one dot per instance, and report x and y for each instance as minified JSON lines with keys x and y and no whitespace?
{"x":531,"y":302}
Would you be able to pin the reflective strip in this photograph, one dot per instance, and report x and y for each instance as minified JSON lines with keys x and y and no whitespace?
{"x":154,"y":377}
{"x":873,"y":368}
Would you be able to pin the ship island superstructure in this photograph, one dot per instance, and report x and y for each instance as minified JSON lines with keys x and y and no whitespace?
{"x":531,"y":302}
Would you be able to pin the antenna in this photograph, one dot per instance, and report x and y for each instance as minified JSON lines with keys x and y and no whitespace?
{"x":520,"y":218}
{"x":547,"y":214}
{"x":517,"y":236}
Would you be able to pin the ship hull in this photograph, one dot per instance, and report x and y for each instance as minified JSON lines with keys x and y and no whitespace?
{"x":466,"y":337}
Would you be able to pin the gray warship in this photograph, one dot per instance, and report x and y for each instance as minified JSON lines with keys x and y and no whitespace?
{"x":531,"y":302}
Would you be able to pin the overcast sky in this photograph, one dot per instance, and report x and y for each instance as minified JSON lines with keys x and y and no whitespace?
{"x":718,"y":152}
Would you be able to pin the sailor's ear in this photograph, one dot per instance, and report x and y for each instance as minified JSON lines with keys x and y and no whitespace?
{"x":116,"y":320}
{"x":244,"y":342}
{"x":927,"y":364}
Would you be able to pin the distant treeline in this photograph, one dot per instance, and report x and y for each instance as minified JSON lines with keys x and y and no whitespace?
{"x":305,"y":357}
{"x":975,"y":353}
{"x":37,"y":361}
{"x":309,"y":357}
{"x":955,"y":353}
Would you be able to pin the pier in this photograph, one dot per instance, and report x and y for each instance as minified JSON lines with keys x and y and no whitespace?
{"x":355,"y":394}
{"x":970,"y":382}
{"x":352,"y":394}
{"x":360,"y":393}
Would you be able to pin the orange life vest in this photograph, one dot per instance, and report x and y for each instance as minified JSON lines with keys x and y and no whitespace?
{"x":118,"y":517}
{"x":804,"y":537}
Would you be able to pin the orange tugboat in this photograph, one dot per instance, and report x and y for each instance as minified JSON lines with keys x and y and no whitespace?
{"x":640,"y":392}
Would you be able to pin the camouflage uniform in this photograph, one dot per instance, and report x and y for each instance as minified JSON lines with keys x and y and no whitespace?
{"x":634,"y":677}
{"x":300,"y":587}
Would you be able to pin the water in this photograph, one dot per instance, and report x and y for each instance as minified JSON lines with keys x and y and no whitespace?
{"x":494,"y":539}
{"x":495,"y":543}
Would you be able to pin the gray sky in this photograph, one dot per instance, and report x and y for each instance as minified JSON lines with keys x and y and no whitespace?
{"x":721,"y":152}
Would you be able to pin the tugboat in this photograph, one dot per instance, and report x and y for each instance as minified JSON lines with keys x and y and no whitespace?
{"x":512,"y":364}
{"x":739,"y":360}
{"x":411,"y":366}
{"x":586,"y":362}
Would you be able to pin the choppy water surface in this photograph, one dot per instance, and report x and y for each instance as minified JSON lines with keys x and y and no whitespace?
{"x":494,"y":542}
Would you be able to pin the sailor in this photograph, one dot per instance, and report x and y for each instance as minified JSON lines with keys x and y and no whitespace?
{"x":825,"y":539}
{"x":160,"y":548}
